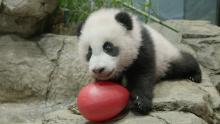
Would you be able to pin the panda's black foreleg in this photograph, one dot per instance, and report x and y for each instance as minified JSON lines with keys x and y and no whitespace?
{"x":141,"y":87}
{"x":141,"y":76}
{"x":185,"y":68}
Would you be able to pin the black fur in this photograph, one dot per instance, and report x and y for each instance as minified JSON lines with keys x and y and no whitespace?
{"x":110,"y":49}
{"x":125,"y":19}
{"x":89,"y":54}
{"x":141,"y":75}
{"x":185,"y":68}
{"x":79,"y":28}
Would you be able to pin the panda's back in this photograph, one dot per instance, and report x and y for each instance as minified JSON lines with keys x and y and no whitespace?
{"x":165,"y":52}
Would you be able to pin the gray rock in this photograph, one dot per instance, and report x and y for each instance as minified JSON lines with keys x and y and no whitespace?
{"x":46,"y":67}
{"x":25,"y":17}
{"x":33,"y":8}
{"x":217,"y":114}
{"x":24,"y":26}
{"x":183,"y":96}
{"x":69,"y":74}
{"x":66,"y":117}
{"x":207,"y":50}
{"x":215,"y":77}
{"x":37,"y":75}
{"x":139,"y":120}
{"x":195,"y":29}
{"x":178,"y":118}
{"x":24,"y":70}
{"x":22,"y":113}
{"x":160,"y":117}
{"x":63,"y":117}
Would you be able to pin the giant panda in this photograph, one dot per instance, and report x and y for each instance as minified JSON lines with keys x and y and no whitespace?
{"x":115,"y":45}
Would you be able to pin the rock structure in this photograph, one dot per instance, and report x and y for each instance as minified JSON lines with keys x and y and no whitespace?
{"x":25,"y":17}
{"x":41,"y":76}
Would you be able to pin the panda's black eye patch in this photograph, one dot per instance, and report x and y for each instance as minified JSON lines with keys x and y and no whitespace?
{"x":89,"y":54}
{"x":110,"y":49}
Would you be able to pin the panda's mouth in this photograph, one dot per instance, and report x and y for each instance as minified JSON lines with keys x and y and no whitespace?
{"x":104,"y":75}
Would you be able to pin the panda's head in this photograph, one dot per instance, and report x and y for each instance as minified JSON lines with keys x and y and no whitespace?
{"x":109,"y":41}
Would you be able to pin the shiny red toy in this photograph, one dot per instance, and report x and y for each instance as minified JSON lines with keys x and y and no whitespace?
{"x":101,"y":101}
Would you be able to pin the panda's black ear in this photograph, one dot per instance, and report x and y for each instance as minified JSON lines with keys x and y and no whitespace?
{"x":125,"y":19}
{"x":79,"y":28}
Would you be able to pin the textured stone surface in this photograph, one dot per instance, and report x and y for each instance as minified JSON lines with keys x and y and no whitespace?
{"x":24,"y":70}
{"x":36,"y":75}
{"x":24,"y":26}
{"x":172,"y":117}
{"x":46,"y":67}
{"x":68,"y":76}
{"x":217,"y":113}
{"x":202,"y":40}
{"x":41,"y":76}
{"x":195,"y":29}
{"x":25,"y":17}
{"x":178,"y":118}
{"x":28,"y":112}
{"x":35,"y":8}
{"x":183,"y":96}
{"x":63,"y":117}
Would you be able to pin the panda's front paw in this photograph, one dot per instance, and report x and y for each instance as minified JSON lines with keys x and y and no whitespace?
{"x":196,"y":78}
{"x":142,"y":104}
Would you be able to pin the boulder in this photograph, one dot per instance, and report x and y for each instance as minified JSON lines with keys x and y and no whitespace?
{"x":68,"y":75}
{"x":44,"y":67}
{"x":183,"y":96}
{"x":25,"y":17}
{"x":24,"y":70}
{"x":36,"y":75}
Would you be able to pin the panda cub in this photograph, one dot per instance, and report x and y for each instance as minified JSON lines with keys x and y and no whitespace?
{"x":113,"y":44}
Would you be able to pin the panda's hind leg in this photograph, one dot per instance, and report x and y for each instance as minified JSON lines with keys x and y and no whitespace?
{"x":185,"y":67}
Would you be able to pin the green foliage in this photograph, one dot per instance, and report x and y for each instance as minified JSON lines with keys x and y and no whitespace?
{"x":77,"y":10}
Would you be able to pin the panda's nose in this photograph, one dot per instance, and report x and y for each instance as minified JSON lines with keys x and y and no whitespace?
{"x":98,"y":70}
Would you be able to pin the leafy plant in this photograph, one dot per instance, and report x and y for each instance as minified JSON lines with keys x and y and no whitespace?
{"x":76,"y":11}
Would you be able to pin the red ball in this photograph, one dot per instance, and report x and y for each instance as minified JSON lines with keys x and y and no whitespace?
{"x":102,"y":101}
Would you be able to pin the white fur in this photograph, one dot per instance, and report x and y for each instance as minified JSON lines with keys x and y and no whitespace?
{"x":100,"y":27}
{"x":165,"y":51}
